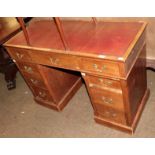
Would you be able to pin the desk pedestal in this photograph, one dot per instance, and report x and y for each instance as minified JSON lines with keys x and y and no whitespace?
{"x":119,"y":102}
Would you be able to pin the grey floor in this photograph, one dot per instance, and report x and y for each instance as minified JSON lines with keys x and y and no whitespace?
{"x":20,"y":116}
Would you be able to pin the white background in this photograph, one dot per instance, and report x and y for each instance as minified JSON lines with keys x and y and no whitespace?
{"x":79,"y":8}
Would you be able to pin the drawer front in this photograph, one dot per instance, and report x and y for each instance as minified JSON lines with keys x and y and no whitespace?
{"x":29,"y":68}
{"x":19,"y":54}
{"x":34,"y":80}
{"x":64,"y":61}
{"x":41,"y":94}
{"x":56,"y":59}
{"x":110,"y":114}
{"x":102,"y":67}
{"x":102,"y":83}
{"x":76,"y":63}
{"x":108,"y":98}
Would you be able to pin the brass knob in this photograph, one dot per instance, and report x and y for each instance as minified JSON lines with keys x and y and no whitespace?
{"x":28,"y":69}
{"x":19,"y":55}
{"x":54,"y":60}
{"x":107,"y":100}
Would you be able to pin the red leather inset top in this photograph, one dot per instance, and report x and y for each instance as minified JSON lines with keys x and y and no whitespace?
{"x":105,"y":38}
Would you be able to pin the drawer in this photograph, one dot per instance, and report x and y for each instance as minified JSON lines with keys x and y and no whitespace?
{"x":19,"y":54}
{"x":41,"y":94}
{"x":102,"y":67}
{"x":56,"y":59}
{"x":29,"y":68}
{"x":108,"y":98}
{"x":102,"y":83}
{"x":110,"y":114}
{"x":34,"y":80}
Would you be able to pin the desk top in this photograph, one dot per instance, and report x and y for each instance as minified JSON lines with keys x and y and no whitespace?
{"x":113,"y":39}
{"x":8,"y":26}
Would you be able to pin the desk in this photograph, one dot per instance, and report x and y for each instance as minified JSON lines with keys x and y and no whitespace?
{"x":111,"y":57}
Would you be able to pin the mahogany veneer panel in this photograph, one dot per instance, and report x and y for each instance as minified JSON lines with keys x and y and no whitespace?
{"x":59,"y":81}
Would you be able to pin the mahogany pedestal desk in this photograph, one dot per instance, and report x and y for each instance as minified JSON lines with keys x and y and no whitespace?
{"x":111,"y":57}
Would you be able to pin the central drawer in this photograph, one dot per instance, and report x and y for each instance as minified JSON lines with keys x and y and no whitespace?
{"x":56,"y":59}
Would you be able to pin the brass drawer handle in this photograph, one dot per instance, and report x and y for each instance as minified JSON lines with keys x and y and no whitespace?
{"x":34,"y":81}
{"x":95,"y":66}
{"x":108,"y":113}
{"x":107,"y":100}
{"x":106,"y":82}
{"x":113,"y":114}
{"x":101,"y":80}
{"x":42,"y":94}
{"x":104,"y":68}
{"x":91,"y":85}
{"x":54,"y":60}
{"x":28,"y":69}
{"x":20,"y":56}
